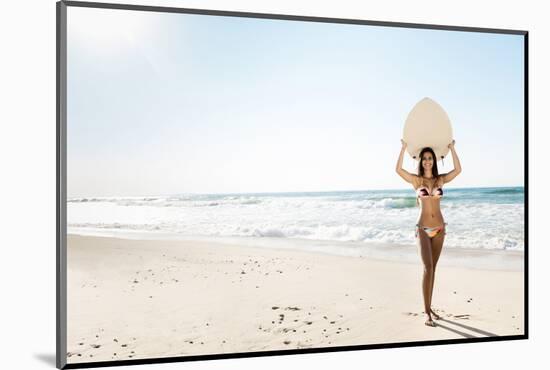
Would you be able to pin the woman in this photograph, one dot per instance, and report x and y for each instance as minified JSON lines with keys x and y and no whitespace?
{"x":430,"y":227}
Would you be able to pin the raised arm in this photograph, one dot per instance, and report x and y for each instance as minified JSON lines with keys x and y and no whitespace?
{"x":408,"y":177}
{"x":454,"y":173}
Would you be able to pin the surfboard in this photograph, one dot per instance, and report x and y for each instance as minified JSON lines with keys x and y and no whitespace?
{"x":428,"y":125}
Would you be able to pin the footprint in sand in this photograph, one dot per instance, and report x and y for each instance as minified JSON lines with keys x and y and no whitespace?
{"x":293,"y":308}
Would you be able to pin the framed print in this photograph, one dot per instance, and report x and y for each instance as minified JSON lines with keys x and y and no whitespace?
{"x":242,"y":184}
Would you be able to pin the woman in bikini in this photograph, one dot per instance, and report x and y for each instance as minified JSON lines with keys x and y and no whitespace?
{"x":430,"y":227}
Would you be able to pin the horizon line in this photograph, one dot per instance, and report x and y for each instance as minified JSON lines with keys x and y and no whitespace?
{"x":287,"y":192}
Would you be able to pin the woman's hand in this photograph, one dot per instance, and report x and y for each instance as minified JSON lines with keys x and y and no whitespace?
{"x":452,"y":145}
{"x":403,"y":144}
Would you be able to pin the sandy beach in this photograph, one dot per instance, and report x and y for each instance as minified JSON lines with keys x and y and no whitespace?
{"x":135,"y":299}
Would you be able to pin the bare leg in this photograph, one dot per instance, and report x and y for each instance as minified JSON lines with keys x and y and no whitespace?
{"x":437,"y":246}
{"x":425,"y":246}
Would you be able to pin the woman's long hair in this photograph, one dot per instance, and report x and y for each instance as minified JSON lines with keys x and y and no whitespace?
{"x":435,"y":173}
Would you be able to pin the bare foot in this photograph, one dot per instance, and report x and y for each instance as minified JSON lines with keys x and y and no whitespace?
{"x":429,"y":322}
{"x":436,"y":316}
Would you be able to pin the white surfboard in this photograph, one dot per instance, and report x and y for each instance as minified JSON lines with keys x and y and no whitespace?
{"x":428,"y":125}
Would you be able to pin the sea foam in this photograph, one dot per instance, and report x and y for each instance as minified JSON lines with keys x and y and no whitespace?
{"x":487,"y":218}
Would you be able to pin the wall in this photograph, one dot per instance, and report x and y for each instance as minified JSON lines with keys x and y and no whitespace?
{"x":27,"y":185}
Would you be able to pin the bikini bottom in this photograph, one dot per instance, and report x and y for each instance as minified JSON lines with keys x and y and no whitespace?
{"x":430,"y":231}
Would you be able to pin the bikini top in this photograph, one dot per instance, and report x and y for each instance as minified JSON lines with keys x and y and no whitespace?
{"x":423,"y":191}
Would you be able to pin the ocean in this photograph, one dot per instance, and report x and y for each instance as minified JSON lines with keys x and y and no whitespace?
{"x":478,"y":218}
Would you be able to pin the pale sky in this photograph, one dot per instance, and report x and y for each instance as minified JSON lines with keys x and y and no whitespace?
{"x":175,"y":103}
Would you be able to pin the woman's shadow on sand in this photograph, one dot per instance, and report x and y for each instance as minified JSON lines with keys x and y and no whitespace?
{"x":482,"y":333}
